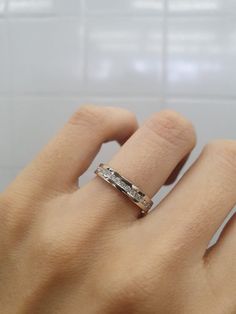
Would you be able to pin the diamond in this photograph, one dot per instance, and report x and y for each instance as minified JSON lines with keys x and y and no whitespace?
{"x":132,"y":193}
{"x":117,"y":180}
{"x":127,"y":188}
{"x":138,"y":197}
{"x":146,"y":203}
{"x":123,"y":185}
{"x":107,"y":173}
{"x":113,"y":177}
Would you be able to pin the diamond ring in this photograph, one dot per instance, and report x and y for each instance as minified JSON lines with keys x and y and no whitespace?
{"x":122,"y":184}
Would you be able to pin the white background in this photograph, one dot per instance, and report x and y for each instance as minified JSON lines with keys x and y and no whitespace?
{"x":140,"y":54}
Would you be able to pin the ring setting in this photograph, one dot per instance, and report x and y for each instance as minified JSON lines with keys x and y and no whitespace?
{"x":126,"y":187}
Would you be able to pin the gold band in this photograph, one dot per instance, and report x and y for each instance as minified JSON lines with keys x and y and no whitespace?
{"x":122,"y":184}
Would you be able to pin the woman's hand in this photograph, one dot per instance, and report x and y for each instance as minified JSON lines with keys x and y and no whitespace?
{"x":66,"y":250}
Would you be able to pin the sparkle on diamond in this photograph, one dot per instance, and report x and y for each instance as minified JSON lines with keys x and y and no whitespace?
{"x":132,"y":192}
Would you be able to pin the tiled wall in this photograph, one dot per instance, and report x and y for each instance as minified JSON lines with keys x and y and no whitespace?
{"x":140,"y":54}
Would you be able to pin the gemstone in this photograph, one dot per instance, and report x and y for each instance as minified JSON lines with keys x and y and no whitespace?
{"x":107,"y":173}
{"x":127,"y":188}
{"x":123,"y":185}
{"x":117,"y":180}
{"x":132,"y":193}
{"x":113,"y":177}
{"x":138,"y":197}
{"x":146,"y":204}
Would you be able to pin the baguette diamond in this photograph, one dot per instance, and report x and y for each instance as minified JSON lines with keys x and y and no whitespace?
{"x":126,"y":187}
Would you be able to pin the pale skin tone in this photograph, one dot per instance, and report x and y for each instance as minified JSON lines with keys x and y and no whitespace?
{"x":82,"y":250}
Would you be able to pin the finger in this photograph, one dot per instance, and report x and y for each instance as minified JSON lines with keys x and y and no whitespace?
{"x":221,"y":260}
{"x":200,"y":202}
{"x":225,"y":243}
{"x":71,"y":152}
{"x":174,"y":175}
{"x":148,"y":157}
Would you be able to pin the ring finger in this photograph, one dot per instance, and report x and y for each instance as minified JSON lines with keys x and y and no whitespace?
{"x":147,"y":159}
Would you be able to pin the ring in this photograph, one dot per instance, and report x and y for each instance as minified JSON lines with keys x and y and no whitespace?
{"x":125,"y":186}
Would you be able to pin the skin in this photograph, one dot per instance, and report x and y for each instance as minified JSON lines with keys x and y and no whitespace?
{"x":65,"y":249}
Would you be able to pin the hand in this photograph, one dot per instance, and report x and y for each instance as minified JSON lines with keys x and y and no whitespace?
{"x":83,"y":251}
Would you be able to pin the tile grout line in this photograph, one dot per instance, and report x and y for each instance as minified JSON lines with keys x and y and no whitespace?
{"x":9,"y":54}
{"x":5,"y":9}
{"x":164,"y":52}
{"x":111,"y":16}
{"x":85,"y":94}
{"x":117,"y":97}
{"x":83,"y":48}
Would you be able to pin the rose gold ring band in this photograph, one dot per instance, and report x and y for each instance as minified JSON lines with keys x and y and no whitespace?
{"x":125,"y":186}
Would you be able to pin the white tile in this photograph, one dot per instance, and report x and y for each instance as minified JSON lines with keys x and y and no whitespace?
{"x":34,"y":122}
{"x":6,"y":132}
{"x":124,"y":57}
{"x":45,"y":56}
{"x":67,"y":7}
{"x":27,"y":124}
{"x":125,"y":6}
{"x":212,"y":119}
{"x":199,"y":7}
{"x":201,"y":57}
{"x":2,"y":7}
{"x":7,"y":175}
{"x":4,"y":58}
{"x":43,"y":7}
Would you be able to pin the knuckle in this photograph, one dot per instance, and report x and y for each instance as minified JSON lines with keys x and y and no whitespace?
{"x":173,"y":127}
{"x":55,"y":252}
{"x":129,"y":288}
{"x":13,"y":209}
{"x":224,"y":151}
{"x":129,"y":117}
{"x":105,"y":120}
{"x":126,"y":113}
{"x":128,"y":291}
{"x":86,"y":114}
